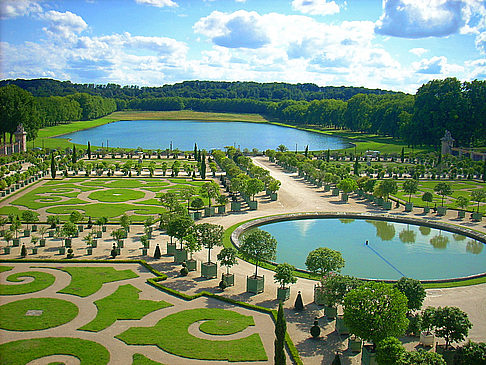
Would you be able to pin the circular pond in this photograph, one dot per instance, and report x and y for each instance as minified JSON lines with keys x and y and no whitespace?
{"x":393,"y":250}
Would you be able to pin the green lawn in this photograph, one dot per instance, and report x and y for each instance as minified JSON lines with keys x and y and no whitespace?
{"x":124,"y":303}
{"x":139,"y":359}
{"x":41,"y":281}
{"x":55,"y":312}
{"x":88,"y":280}
{"x":24,"y":351}
{"x":181,"y":343}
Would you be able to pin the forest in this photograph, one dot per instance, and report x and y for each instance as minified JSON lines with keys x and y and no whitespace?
{"x":419,"y":119}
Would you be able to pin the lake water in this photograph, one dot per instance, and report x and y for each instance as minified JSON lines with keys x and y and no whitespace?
{"x":158,"y":134}
{"x":394,"y":249}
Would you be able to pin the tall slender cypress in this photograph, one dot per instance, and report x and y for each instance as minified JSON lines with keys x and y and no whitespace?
{"x":280,"y":330}
{"x":195,"y":151}
{"x":328,"y":155}
{"x":74,"y":158}
{"x":53,"y":166}
{"x":306,"y":152}
{"x":203,"y":165}
{"x":89,"y":150}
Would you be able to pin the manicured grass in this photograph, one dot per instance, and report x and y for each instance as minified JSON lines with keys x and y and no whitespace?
{"x":110,"y":211}
{"x":124,"y":303}
{"x":116,"y":195}
{"x":88,"y":280}
{"x":186,"y":115}
{"x":55,"y":312}
{"x":24,"y":351}
{"x":5,"y":268}
{"x":41,"y":281}
{"x":171,"y":335}
{"x":139,"y":359}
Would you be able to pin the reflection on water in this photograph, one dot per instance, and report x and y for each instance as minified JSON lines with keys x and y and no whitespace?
{"x":384,"y":230}
{"x":304,"y":225}
{"x":439,"y":241}
{"x":407,"y":236}
{"x":459,"y":237}
{"x":474,"y":247}
{"x":346,"y":220}
{"x":424,"y":230}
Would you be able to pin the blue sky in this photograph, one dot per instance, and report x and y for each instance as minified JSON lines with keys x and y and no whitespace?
{"x":394,"y":44}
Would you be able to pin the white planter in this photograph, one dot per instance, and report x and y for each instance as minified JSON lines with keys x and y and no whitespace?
{"x":427,"y":338}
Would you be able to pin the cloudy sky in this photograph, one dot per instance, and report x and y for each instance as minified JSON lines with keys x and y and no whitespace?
{"x":394,"y":44}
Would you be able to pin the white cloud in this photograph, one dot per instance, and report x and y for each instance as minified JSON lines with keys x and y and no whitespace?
{"x":418,"y":51}
{"x":15,"y":8}
{"x":158,"y":3}
{"x":315,"y":7}
{"x":481,"y":42}
{"x":477,"y":69}
{"x":64,"y":25}
{"x":437,"y":65}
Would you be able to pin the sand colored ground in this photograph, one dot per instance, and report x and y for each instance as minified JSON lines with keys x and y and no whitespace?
{"x":295,"y":195}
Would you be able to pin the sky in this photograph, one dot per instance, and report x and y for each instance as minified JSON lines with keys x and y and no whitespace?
{"x":391,"y":44}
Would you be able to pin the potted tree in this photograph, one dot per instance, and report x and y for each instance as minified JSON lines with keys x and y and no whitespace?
{"x":478,"y":196}
{"x":144,"y":240}
{"x":42,"y":232}
{"x":284,"y":275}
{"x":256,"y":246}
{"x":210,"y":236}
{"x":413,"y":290}
{"x":373,"y":312}
{"x":462,"y":202}
{"x":452,"y":324}
{"x":209,"y":190}
{"x":192,"y":245}
{"x":427,"y":337}
{"x":8,"y":236}
{"x":442,"y":189}
{"x":89,"y":242}
{"x":384,"y":189}
{"x":178,"y":227}
{"x":68,"y":230}
{"x":197,"y":203}
{"x":29,"y":217}
{"x":34,"y":239}
{"x":410,"y":187}
{"x":347,"y":185}
{"x":427,"y":198}
{"x":222,"y":200}
{"x":118,"y":235}
{"x":76,"y":217}
{"x":15,"y":227}
{"x":322,"y":261}
{"x":227,"y":257}
{"x":125,"y":222}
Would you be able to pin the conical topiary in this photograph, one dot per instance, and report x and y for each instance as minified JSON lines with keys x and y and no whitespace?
{"x":23,"y":251}
{"x":157,"y":252}
{"x":299,"y":304}
{"x":337,"y":360}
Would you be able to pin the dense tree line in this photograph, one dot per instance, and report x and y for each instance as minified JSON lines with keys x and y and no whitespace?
{"x":18,"y":106}
{"x":273,"y":91}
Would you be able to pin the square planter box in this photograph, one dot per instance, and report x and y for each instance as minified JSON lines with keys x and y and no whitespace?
{"x":62,"y":250}
{"x":89,"y":251}
{"x":34,"y":228}
{"x":27,"y":233}
{"x":426,"y":210}
{"x":99,"y":234}
{"x":6,"y":250}
{"x":344,"y":197}
{"x":171,"y":249}
{"x":408,"y":207}
{"x":327,"y":187}
{"x":255,"y":284}
{"x":221,"y":209}
{"x":341,"y":328}
{"x":477,"y":216}
{"x":355,"y":345}
{"x":335,"y":192}
{"x":273,"y":196}
{"x":180,"y":256}
{"x":208,"y":212}
{"x":51,"y":234}
{"x":191,"y":265}
{"x":103,"y":229}
{"x":209,"y":270}
{"x":94,"y":244}
{"x":253,"y":204}
{"x":42,"y":242}
{"x":427,"y":339}
{"x":235,"y":206}
{"x":229,"y":279}
{"x":379,"y":201}
{"x":330,"y":312}
{"x":387,"y":205}
{"x":368,"y":357}
{"x":461,"y":214}
{"x":80,"y":228}
{"x":283,"y":294}
{"x":120,"y":244}
{"x":16,"y":242}
{"x":67,"y":242}
{"x":144,"y":251}
{"x":319,"y":297}
{"x":441,"y":211}
{"x":197,"y":215}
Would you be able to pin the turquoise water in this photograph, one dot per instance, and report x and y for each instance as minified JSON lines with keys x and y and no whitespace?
{"x":158,"y":134}
{"x":394,"y":249}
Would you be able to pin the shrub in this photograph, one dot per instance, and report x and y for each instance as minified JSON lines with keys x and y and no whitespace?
{"x":389,"y":351}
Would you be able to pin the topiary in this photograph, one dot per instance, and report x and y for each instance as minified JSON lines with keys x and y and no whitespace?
{"x":23,"y":251}
{"x":315,"y":329}
{"x":70,"y":253}
{"x":184,"y":271}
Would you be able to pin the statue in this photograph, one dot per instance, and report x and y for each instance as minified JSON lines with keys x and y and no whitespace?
{"x":447,"y":143}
